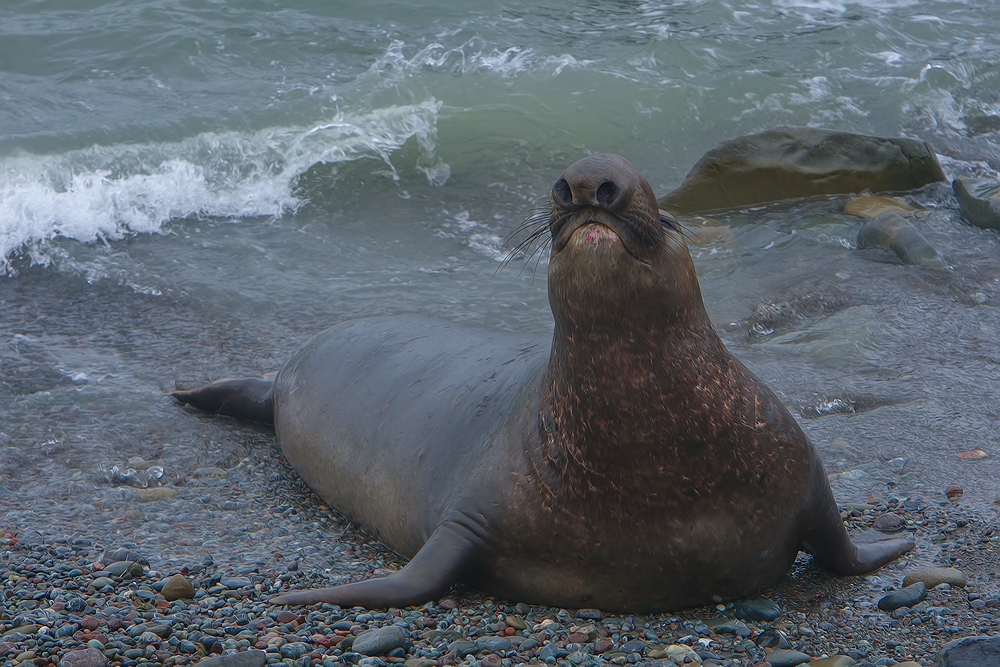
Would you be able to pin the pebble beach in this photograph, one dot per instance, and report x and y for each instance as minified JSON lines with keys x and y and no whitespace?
{"x":71,"y":598}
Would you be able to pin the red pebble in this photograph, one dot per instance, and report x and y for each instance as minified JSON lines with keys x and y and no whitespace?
{"x":89,"y":622}
{"x":490,"y":661}
{"x":448,"y":603}
{"x":602,"y":645}
{"x":286,"y":616}
{"x":510,"y":632}
{"x":577,"y":638}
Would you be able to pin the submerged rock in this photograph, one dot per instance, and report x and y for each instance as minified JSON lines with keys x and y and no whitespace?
{"x":791,"y":162}
{"x":979,"y":211}
{"x":871,"y":207}
{"x":893,"y":232}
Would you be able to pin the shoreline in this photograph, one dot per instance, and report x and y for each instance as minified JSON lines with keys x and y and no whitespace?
{"x":47,"y":582}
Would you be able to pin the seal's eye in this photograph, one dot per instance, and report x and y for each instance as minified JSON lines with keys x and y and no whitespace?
{"x":668,"y":221}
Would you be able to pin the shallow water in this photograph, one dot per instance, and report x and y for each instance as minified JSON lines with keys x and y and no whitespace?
{"x":190,"y":190}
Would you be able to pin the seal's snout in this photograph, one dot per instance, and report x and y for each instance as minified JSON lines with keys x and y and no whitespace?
{"x":604,"y":181}
{"x":581,"y":192}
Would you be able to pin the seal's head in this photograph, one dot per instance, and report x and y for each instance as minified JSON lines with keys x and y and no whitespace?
{"x":617,"y":259}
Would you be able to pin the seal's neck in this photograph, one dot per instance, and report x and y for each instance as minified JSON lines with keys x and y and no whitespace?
{"x":612,"y":398}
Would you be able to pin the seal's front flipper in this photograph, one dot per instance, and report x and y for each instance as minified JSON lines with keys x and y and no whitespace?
{"x":247,"y":399}
{"x":439,"y":564}
{"x":827,"y":540}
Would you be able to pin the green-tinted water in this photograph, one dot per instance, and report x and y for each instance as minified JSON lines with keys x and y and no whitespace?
{"x":189,"y":189}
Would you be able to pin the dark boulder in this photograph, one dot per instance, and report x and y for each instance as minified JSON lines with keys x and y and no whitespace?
{"x":791,"y":162}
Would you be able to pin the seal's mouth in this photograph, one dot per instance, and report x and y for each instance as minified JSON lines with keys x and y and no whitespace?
{"x":595,"y":234}
{"x":595,"y":228}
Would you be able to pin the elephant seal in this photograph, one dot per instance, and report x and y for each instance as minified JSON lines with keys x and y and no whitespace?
{"x":632,"y":464}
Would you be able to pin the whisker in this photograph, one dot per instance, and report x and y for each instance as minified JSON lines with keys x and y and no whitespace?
{"x":536,"y":225}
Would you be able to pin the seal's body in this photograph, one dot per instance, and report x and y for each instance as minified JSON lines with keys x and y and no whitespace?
{"x":630,"y":463}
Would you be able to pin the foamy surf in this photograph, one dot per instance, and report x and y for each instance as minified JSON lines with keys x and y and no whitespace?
{"x":104,"y":193}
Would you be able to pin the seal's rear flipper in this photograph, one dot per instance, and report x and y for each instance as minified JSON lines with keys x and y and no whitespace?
{"x":438,"y":565}
{"x":828,"y":542}
{"x":247,"y":399}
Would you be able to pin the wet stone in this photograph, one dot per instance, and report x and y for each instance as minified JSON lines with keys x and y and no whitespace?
{"x":297,"y":649}
{"x":834,"y":661}
{"x":87,"y":657}
{"x":757,"y":610}
{"x":381,"y":640}
{"x":462,"y":648}
{"x":177,"y":587}
{"x":786,"y":658}
{"x":907,"y":597}
{"x":772,"y":639}
{"x":245,"y":659}
{"x":124,"y":568}
{"x":970,"y":652}
{"x":76,"y":605}
{"x":934,"y":576}
{"x":154,"y":494}
{"x":515,"y":622}
{"x":634,"y":646}
{"x":738,"y":628}
{"x":117,"y":555}
{"x":102,"y":582}
{"x":681,"y":654}
{"x":889,"y":523}
{"x":494,"y":644}
{"x":235,"y":583}
{"x":65,"y":630}
{"x":590,"y":614}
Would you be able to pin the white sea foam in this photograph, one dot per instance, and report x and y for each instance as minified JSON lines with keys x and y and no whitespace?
{"x":108,"y":192}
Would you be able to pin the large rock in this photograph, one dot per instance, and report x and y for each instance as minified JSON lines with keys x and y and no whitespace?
{"x":791,"y":162}
{"x":970,"y":652}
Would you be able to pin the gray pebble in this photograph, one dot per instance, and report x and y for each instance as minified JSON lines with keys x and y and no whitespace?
{"x":380,"y":640}
{"x":757,"y":610}
{"x":296,"y":649}
{"x":634,"y":646}
{"x":88,"y":657}
{"x":117,"y":555}
{"x":177,"y":587}
{"x":970,"y":652}
{"x":738,"y":628}
{"x":124,"y":568}
{"x":935,"y":576}
{"x":462,"y":648}
{"x":889,"y":523}
{"x":589,"y":614}
{"x":245,"y":659}
{"x":906,"y":597}
{"x":494,"y":644}
{"x":786,"y":658}
{"x":235,"y":583}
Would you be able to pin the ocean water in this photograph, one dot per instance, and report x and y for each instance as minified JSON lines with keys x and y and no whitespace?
{"x":190,"y":189}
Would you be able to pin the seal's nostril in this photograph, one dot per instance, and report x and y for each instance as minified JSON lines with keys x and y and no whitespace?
{"x":606,"y":193}
{"x":562,"y":193}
